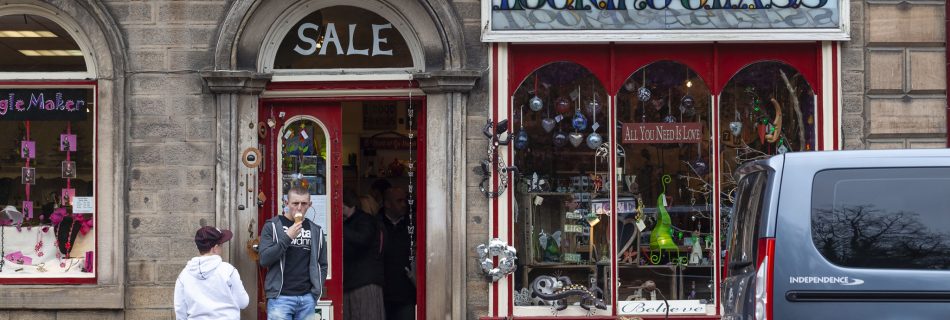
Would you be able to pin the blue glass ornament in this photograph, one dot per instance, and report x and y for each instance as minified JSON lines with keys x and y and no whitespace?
{"x":560,"y":139}
{"x":535,"y":104}
{"x":580,"y":121}
{"x":643,"y":94}
{"x":521,"y":140}
{"x":594,"y":140}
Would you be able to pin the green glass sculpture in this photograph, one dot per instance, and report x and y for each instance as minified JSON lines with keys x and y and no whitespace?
{"x":661,"y":237}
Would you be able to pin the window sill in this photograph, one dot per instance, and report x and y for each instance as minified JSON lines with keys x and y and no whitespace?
{"x":62,"y":297}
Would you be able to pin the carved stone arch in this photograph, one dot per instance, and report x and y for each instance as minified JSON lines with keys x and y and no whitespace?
{"x":433,"y":25}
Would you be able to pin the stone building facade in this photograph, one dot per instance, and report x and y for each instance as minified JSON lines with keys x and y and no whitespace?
{"x":179,"y":81}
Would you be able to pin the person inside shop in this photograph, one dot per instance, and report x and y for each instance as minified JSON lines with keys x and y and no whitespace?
{"x":209,"y":288}
{"x":293,"y":249}
{"x":362,"y":262}
{"x":378,"y":191}
{"x":399,"y":290}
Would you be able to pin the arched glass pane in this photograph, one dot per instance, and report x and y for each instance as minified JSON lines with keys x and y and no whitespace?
{"x":30,"y":43}
{"x":767,"y":108}
{"x":303,"y":162}
{"x":663,"y":113}
{"x":559,"y":124}
{"x":343,"y":37}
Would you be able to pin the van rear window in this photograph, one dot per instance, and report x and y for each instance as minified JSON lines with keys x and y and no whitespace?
{"x":887,"y":218}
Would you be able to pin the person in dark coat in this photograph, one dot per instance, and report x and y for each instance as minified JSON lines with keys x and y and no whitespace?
{"x":362,"y":262}
{"x":399,"y":290}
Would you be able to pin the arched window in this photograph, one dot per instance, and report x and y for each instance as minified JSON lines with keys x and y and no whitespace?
{"x":663,"y":164}
{"x":560,"y":140}
{"x":767,"y":108}
{"x":48,"y":184}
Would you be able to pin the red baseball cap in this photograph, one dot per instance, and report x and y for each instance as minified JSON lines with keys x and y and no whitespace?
{"x":207,"y":237}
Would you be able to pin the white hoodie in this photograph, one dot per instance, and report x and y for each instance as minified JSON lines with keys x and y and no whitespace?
{"x":209,"y":288}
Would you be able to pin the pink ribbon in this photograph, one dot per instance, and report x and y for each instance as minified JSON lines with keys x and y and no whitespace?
{"x":84,"y":224}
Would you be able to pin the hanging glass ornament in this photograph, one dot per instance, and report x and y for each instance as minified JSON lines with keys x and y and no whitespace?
{"x":548,"y":124}
{"x":521,"y":140}
{"x":576,"y":138}
{"x":643,"y":94}
{"x":700,"y":167}
{"x":669,"y":119}
{"x":563,"y":105}
{"x":560,"y":139}
{"x":594,"y":140}
{"x":594,"y":106}
{"x":580,"y":121}
{"x":735,"y":128}
{"x":535,"y":103}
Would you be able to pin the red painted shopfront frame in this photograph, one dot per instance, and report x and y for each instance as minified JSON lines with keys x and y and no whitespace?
{"x":94,"y":85}
{"x":269,"y":208}
{"x":715,"y":63}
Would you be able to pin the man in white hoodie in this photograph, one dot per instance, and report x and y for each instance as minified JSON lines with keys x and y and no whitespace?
{"x":209,"y":288}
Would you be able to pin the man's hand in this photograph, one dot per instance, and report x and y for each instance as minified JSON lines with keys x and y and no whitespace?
{"x":294,"y":230}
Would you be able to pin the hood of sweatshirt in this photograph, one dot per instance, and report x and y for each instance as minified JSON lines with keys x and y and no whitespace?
{"x":202,"y":267}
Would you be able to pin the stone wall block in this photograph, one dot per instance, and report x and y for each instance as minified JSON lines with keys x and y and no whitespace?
{"x":887,"y":23}
{"x":142,"y":247}
{"x":191,"y":12}
{"x":155,"y":178}
{"x":201,"y":130}
{"x":156,"y":128}
{"x":165,"y":223}
{"x":142,"y":201}
{"x":188,"y":201}
{"x":927,"y":70}
{"x":885,"y":70}
{"x":183,"y":248}
{"x":852,"y":82}
{"x":927,"y":143}
{"x":164,"y":85}
{"x":919,"y":116}
{"x":132,"y":12}
{"x":191,"y":36}
{"x":190,"y":105}
{"x":150,"y":297}
{"x":852,"y":59}
{"x":189,"y":153}
{"x":140,"y":271}
{"x":852,"y":103}
{"x":168,"y":272}
{"x":852,"y":127}
{"x":30,"y":315}
{"x":145,"y":154}
{"x":150,"y":314}
{"x":878,"y":144}
{"x":147,"y":59}
{"x":854,"y":144}
{"x":199,"y":177}
{"x":191,"y":60}
{"x":85,"y":315}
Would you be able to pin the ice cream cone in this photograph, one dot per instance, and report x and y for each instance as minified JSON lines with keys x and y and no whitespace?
{"x":298,"y":217}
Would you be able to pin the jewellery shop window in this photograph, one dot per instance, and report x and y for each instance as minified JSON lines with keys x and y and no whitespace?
{"x":47,"y":224}
{"x":664,"y":212}
{"x":560,"y":147}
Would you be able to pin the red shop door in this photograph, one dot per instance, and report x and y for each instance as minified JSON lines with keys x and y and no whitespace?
{"x":301,"y":147}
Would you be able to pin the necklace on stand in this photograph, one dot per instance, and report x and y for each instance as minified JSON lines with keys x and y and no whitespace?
{"x":39,"y":244}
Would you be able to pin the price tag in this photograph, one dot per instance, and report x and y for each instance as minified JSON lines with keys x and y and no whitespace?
{"x":640,"y":225}
{"x":538,"y":200}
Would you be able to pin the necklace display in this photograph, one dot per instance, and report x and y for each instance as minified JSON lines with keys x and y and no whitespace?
{"x":39,"y":244}
{"x":69,"y":240}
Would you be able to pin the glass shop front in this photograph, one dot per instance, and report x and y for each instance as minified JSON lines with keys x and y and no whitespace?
{"x":626,"y":154}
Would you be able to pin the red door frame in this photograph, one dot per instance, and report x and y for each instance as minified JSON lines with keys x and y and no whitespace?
{"x":265,"y":180}
{"x":714,"y":63}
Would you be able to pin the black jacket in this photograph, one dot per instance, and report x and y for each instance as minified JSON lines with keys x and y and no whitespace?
{"x":398,"y":287}
{"x":362,"y":251}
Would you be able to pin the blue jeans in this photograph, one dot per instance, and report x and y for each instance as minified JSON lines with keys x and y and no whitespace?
{"x":291,"y":308}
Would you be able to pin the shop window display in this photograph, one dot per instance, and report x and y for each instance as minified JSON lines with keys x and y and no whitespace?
{"x":47,"y":222}
{"x":664,"y":206}
{"x":303,"y":162}
{"x":767,"y":108}
{"x":559,"y":137}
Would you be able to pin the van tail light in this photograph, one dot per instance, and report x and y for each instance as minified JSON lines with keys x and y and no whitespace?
{"x":763,"y":279}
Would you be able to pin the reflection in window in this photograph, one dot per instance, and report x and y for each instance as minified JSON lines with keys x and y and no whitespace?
{"x":664,"y":110}
{"x":883,"y":218}
{"x":560,"y":123}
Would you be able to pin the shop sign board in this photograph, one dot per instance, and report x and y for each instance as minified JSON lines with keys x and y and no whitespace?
{"x":663,"y":20}
{"x":662,"y":132}
{"x":24,"y":104}
{"x":658,"y":307}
